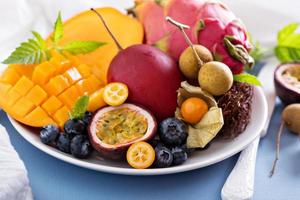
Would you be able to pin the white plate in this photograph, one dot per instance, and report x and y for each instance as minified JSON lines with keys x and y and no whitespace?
{"x":218,"y":150}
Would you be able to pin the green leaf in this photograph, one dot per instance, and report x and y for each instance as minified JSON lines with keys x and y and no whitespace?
{"x":58,"y":29}
{"x":286,"y":32}
{"x":82,"y":47}
{"x":257,"y":52}
{"x":79,"y":108}
{"x":288,"y":47}
{"x":247,"y":78}
{"x":39,"y":39}
{"x":31,"y":52}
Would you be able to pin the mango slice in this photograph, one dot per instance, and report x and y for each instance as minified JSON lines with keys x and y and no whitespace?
{"x":37,"y":95}
{"x":44,"y":94}
{"x":87,"y":26}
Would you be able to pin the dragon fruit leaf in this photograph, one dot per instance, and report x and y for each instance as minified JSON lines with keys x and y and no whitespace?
{"x":237,"y":31}
{"x":221,"y":54}
{"x":239,"y":52}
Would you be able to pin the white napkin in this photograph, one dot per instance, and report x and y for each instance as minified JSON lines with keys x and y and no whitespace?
{"x":14,"y":183}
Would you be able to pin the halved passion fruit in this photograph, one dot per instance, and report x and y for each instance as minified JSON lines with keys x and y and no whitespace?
{"x":113,"y":129}
{"x":287,"y":82}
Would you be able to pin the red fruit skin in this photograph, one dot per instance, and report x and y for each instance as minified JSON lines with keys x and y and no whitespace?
{"x":152,"y":78}
{"x":185,"y":11}
{"x":221,"y":54}
{"x":151,"y":15}
{"x":157,"y":29}
{"x":211,"y":34}
{"x":215,"y":42}
{"x":216,"y":10}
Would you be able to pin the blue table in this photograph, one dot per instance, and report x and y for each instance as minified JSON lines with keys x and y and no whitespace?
{"x":54,"y":179}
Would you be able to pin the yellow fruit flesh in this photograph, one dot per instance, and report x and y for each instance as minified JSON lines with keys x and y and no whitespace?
{"x":37,"y":95}
{"x":44,"y":94}
{"x":87,"y":27}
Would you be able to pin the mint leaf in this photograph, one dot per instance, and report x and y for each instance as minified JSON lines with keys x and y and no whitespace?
{"x":79,"y":108}
{"x":58,"y":29}
{"x":31,"y":52}
{"x":288,"y":47}
{"x":82,"y":47}
{"x":286,"y":32}
{"x":35,"y":50}
{"x":39,"y":39}
{"x":247,"y":78}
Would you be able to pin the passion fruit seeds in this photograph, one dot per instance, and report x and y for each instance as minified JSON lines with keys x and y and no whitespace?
{"x":113,"y":129}
{"x":121,"y":126}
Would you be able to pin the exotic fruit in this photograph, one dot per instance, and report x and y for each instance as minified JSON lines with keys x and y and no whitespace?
{"x":152,"y":77}
{"x":287,"y":82}
{"x":236,"y":105}
{"x":113,"y":129}
{"x":213,"y":26}
{"x":229,"y":42}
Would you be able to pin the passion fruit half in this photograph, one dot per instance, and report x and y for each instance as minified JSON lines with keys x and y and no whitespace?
{"x":113,"y":129}
{"x":287,"y":82}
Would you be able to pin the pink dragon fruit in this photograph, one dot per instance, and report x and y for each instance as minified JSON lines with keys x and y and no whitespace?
{"x":229,"y":42}
{"x":163,"y":35}
{"x":212,"y":25}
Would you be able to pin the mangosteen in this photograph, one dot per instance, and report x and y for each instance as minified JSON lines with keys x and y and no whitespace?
{"x":287,"y":82}
{"x":113,"y":129}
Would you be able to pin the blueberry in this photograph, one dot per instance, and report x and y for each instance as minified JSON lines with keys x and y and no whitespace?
{"x":80,"y":146}
{"x":87,"y":117}
{"x":172,"y":132}
{"x":48,"y":134}
{"x":189,"y":151}
{"x":63,"y":143}
{"x":155,"y":141}
{"x":163,"y":157}
{"x":179,"y":156}
{"x":75,"y":127}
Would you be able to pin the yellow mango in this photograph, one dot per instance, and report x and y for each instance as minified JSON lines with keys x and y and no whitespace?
{"x":87,"y":26}
{"x":43,"y":94}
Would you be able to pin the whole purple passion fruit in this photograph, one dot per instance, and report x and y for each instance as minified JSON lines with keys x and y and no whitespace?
{"x":113,"y":129}
{"x":287,"y":82}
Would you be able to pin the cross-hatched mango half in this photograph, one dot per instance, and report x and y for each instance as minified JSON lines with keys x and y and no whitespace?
{"x":42,"y":94}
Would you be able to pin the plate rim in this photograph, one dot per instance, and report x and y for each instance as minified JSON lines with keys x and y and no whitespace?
{"x":147,"y":172}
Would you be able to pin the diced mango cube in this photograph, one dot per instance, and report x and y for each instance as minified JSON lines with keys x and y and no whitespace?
{"x":23,"y":85}
{"x":43,"y":73}
{"x":84,"y":70}
{"x":61,"y":64}
{"x":84,"y":87}
{"x":36,"y":95}
{"x":61,"y":116}
{"x":10,"y":76}
{"x":96,"y":101}
{"x":4,"y":88}
{"x":12,"y":97}
{"x":22,"y":107}
{"x":57,"y":85}
{"x":23,"y":69}
{"x":72,"y":75}
{"x":52,"y":105}
{"x":38,"y":118}
{"x":69,"y":96}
